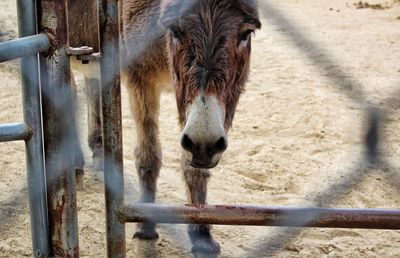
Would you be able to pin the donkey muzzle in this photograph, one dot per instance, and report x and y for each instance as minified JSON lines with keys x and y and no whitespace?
{"x":204,"y":134}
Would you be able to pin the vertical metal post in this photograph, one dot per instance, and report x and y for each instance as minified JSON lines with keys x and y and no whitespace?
{"x":112,"y":128}
{"x":34,"y":149}
{"x":58,"y":131}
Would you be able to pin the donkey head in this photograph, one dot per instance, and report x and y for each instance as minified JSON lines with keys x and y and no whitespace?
{"x":209,"y":45}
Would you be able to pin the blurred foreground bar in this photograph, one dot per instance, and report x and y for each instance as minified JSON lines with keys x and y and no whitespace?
{"x":14,"y":132}
{"x":262,"y":216}
{"x":22,"y":47}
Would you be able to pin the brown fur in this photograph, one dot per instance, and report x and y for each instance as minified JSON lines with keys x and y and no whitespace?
{"x":83,"y":27}
{"x":199,"y":44}
{"x":207,"y":56}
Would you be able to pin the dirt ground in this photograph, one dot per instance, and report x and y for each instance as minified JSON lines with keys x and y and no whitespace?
{"x":297,"y":138}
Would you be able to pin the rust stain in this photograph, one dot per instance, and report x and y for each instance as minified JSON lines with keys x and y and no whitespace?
{"x":57,"y":202}
{"x":53,"y":23}
{"x":29,"y":132}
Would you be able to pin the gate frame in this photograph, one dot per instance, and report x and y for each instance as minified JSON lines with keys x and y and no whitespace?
{"x":50,"y":166}
{"x":118,"y":215}
{"x":45,"y":79}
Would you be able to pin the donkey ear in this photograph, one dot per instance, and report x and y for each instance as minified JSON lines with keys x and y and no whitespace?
{"x":250,"y":10}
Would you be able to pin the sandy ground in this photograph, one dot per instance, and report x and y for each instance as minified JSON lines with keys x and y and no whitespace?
{"x":296,"y":139}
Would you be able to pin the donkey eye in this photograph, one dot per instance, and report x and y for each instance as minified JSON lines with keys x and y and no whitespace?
{"x":245,"y":35}
{"x":176,"y":32}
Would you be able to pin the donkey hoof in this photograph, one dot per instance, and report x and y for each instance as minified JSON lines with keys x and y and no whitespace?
{"x":206,"y":246}
{"x":147,"y":235}
{"x":146,"y":231}
{"x":202,"y":240}
{"x":203,"y":243}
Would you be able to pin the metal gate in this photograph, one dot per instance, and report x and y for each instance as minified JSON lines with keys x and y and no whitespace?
{"x":46,"y":95}
{"x":49,"y":150}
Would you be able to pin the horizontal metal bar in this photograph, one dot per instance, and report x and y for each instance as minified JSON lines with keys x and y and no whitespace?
{"x":25,"y":46}
{"x":262,"y":216}
{"x":15,"y":132}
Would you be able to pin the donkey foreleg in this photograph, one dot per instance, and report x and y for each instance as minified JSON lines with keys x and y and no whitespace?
{"x":95,"y":133}
{"x":145,"y":108}
{"x":200,"y":235}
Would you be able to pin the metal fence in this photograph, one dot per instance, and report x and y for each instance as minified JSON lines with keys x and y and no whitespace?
{"x":288,"y":216}
{"x":30,"y":129}
{"x":50,"y":167}
{"x":46,"y":94}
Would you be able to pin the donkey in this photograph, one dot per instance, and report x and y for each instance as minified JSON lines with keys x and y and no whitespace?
{"x":202,"y":48}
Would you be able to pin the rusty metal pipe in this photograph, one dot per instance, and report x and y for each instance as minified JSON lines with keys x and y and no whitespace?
{"x":15,"y":132}
{"x":24,"y":46}
{"x":262,"y":216}
{"x":112,"y":127}
{"x":30,"y":85}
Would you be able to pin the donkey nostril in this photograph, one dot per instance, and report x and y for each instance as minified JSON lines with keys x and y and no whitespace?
{"x":220,"y":145}
{"x":186,"y":143}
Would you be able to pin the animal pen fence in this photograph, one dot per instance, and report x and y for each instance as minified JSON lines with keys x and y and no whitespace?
{"x":49,"y":152}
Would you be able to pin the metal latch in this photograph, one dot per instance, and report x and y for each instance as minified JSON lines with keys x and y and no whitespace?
{"x":84,"y":53}
{"x":77,"y":51}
